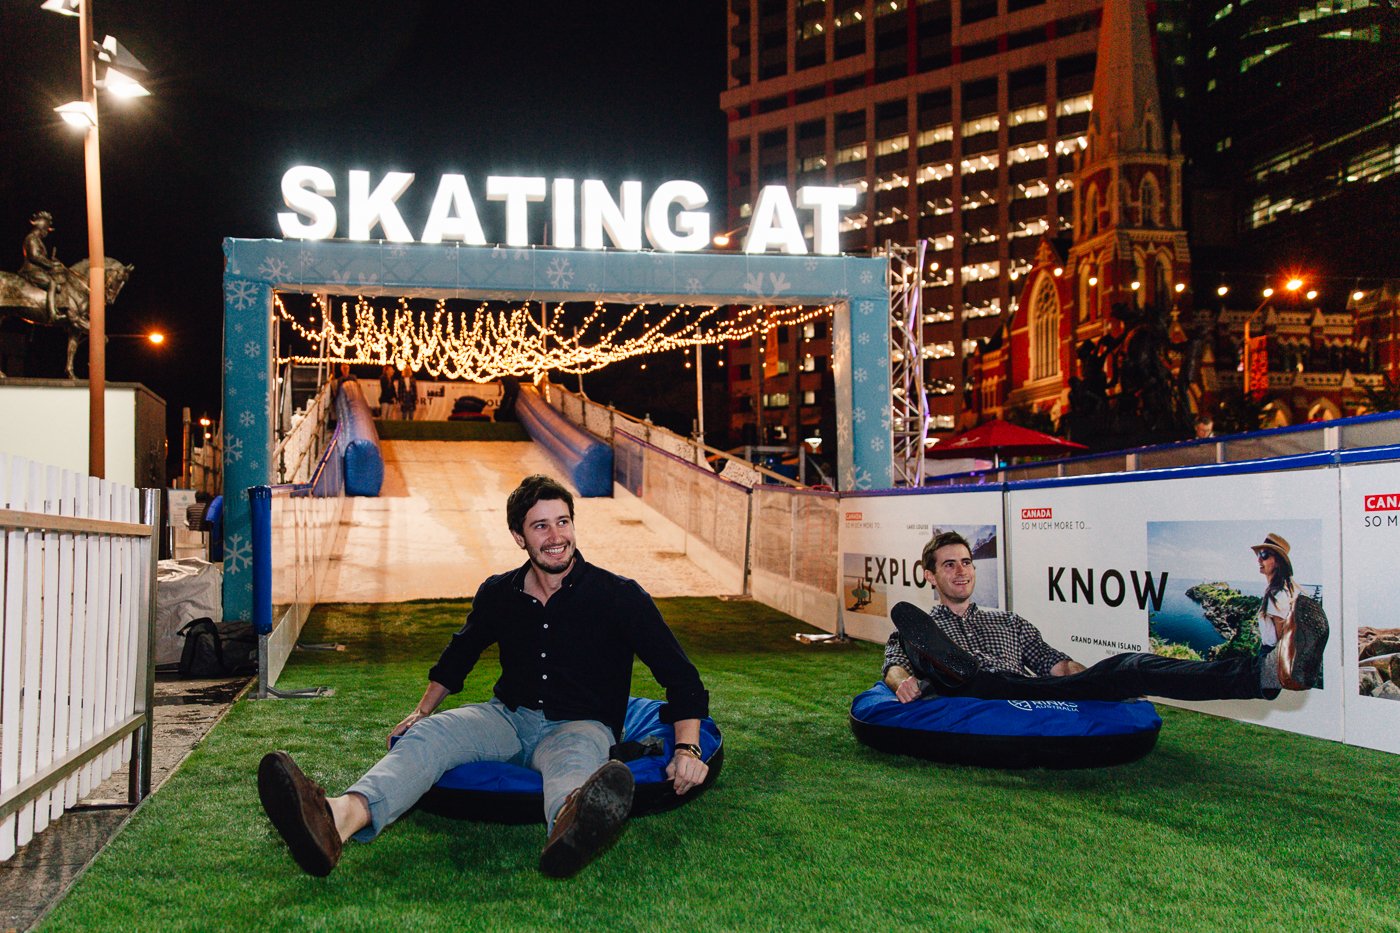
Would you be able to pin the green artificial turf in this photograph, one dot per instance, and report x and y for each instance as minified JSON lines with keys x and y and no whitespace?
{"x":451,"y":431}
{"x":1223,"y":826}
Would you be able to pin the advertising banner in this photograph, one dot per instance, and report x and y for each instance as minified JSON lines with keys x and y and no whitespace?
{"x":1169,"y":566}
{"x":882,"y":542}
{"x":1371,"y":641}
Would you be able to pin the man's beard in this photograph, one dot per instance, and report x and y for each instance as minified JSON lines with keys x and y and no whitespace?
{"x":541,"y":562}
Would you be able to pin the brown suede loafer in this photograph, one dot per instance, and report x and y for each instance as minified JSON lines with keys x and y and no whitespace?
{"x":297,"y":807}
{"x":592,"y":817}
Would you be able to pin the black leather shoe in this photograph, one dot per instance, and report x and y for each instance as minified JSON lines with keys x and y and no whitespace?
{"x":297,"y":807}
{"x":935,"y":657}
{"x":592,"y":817}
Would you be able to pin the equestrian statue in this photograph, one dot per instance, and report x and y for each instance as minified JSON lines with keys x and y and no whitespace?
{"x":49,"y":294}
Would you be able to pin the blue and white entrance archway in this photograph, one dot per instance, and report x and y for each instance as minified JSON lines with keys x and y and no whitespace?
{"x":254,"y":269}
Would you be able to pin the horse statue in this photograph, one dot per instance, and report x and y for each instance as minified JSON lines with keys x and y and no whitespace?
{"x":19,"y":298}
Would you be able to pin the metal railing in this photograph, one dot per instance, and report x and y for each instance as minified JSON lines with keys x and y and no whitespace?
{"x":77,"y":616}
{"x":606,"y":422}
{"x":1375,"y":430}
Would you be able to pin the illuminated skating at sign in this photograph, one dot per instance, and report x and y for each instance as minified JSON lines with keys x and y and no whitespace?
{"x":581,"y":214}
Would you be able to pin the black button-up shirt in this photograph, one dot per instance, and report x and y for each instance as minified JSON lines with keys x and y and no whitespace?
{"x":572,"y":657}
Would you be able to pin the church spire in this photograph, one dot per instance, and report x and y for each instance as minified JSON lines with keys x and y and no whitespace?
{"x":1127,"y":115}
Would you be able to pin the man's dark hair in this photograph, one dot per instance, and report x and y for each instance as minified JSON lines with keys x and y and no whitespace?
{"x":530,"y":491}
{"x":941,"y":540}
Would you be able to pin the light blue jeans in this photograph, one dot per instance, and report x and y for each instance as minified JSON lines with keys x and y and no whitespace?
{"x":564,"y":752}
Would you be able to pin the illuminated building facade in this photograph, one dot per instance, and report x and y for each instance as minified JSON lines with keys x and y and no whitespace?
{"x":1294,"y":135}
{"x":957,"y":120}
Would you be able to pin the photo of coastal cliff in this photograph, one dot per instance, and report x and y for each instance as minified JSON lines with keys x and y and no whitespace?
{"x":1214,"y":587}
{"x":1378,"y":657}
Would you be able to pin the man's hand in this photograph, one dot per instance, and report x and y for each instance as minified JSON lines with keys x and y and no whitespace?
{"x":909,"y":690}
{"x":686,"y":771}
{"x":404,"y":726}
{"x":1066,"y":667}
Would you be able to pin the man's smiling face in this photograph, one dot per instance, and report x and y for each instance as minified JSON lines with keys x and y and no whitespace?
{"x":953,"y":574}
{"x":548,"y":536}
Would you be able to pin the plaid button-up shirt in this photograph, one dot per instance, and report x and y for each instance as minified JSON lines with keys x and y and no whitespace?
{"x":1001,"y":641}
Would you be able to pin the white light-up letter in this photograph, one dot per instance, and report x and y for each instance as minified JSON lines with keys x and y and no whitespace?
{"x":562,"y":200}
{"x":443,"y":224}
{"x":370,"y":208}
{"x":517,"y":191}
{"x":774,"y":223}
{"x":826,"y":204}
{"x":599,"y":212}
{"x":692,"y":230}
{"x":305,"y":189}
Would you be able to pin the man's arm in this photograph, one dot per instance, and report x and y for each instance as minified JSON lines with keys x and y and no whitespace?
{"x":898,"y":675}
{"x":432,"y":696}
{"x":905,"y":685}
{"x":1038,"y":657}
{"x":685,"y":770}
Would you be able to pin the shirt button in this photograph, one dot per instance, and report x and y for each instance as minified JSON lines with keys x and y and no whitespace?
{"x":544,"y":677}
{"x":542,"y":654}
{"x":546,"y":625}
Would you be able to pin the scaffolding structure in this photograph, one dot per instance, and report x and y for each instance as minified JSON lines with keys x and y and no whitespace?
{"x":908,"y":400}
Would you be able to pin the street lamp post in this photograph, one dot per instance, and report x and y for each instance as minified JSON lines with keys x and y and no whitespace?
{"x":1292,"y":285}
{"x":85,"y":114}
{"x":97,"y":261}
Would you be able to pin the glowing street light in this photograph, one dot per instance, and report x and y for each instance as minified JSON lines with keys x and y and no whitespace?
{"x":1292,"y":285}
{"x":154,"y":337}
{"x":1223,"y":290}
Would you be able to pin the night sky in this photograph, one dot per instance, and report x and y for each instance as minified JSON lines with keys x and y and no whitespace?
{"x":241,"y":91}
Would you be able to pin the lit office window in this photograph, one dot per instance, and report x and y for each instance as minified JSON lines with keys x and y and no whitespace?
{"x":989,"y":124}
{"x":1081,"y":103}
{"x":891,"y":145}
{"x":1035,"y":113}
{"x":854,"y":153}
{"x":939,"y":134}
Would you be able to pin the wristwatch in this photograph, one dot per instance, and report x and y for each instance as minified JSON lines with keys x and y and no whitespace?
{"x":688,"y":747}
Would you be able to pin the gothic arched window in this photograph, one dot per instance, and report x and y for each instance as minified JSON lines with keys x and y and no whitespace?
{"x":1151,"y":202}
{"x":1045,"y":330}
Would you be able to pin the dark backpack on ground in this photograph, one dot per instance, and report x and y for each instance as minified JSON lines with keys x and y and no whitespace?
{"x":218,"y":651}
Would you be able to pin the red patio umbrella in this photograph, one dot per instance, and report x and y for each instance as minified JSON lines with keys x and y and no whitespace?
{"x":999,"y":438}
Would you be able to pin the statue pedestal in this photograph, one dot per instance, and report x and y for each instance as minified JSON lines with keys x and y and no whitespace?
{"x":46,"y":420}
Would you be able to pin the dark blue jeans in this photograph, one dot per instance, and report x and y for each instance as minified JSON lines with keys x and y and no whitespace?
{"x":1125,"y":676}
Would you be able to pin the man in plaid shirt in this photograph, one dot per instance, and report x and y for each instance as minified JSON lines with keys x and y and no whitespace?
{"x":962,"y":649}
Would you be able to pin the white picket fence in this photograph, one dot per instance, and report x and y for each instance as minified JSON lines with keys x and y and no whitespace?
{"x":77,"y":585}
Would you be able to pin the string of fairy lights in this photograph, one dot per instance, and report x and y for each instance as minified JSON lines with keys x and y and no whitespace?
{"x":523,"y":340}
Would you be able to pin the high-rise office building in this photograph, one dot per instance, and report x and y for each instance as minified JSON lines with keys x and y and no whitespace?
{"x":957,"y":120}
{"x":1294,"y":137}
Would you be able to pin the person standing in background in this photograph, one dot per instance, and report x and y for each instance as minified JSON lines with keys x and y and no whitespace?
{"x":388,"y":393}
{"x":408,"y":393}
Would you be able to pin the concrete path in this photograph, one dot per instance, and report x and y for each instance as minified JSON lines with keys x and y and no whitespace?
{"x":41,"y":872}
{"x":438,"y":528}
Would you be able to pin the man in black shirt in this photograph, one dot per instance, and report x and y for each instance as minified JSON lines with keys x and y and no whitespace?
{"x":567,"y":632}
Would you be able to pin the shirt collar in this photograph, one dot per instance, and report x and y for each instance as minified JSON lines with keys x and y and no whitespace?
{"x":940,"y":607}
{"x":517,"y":579}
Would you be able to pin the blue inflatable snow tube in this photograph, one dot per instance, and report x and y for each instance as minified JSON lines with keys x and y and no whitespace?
{"x":500,"y":792}
{"x":364,"y":463}
{"x":587,"y":460}
{"x":1007,"y":733}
